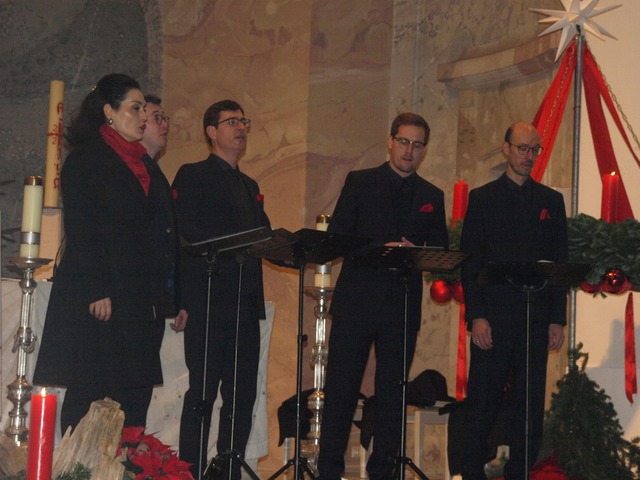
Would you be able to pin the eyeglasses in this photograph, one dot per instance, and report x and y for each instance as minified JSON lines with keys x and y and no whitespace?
{"x":160,"y":118}
{"x":233,"y":122}
{"x":405,"y":142}
{"x":524,"y":149}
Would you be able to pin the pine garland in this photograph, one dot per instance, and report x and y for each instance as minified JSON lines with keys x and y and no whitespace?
{"x":605,"y":246}
{"x":78,"y":472}
{"x":582,"y":429}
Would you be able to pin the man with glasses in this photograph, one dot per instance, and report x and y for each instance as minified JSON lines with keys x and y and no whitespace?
{"x":214,"y":198}
{"x":154,"y":139}
{"x":512,"y":219}
{"x":392,"y":205}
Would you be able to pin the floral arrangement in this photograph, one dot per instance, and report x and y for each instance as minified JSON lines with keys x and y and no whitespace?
{"x":145,"y":457}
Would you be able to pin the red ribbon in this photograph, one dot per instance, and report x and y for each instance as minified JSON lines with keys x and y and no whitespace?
{"x":461,"y":373}
{"x":551,"y":110}
{"x":630,"y":378}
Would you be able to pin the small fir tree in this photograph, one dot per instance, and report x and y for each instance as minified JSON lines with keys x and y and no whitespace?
{"x":582,"y":430}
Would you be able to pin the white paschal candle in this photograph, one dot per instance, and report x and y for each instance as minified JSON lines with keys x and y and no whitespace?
{"x":322,"y":277}
{"x":31,"y":217}
{"x":54,"y":144}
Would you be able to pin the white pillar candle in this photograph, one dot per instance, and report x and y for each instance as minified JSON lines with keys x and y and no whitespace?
{"x":54,"y":144}
{"x":322,"y":277}
{"x":322,"y":222}
{"x":31,"y":217}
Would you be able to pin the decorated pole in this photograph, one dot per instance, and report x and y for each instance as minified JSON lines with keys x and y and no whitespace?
{"x":577,"y":108}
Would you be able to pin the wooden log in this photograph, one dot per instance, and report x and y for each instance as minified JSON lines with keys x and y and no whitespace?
{"x":13,"y":459}
{"x":93,"y":443}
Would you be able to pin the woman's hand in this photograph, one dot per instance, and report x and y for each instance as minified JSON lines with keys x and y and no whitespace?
{"x":101,"y":309}
{"x":403,"y":243}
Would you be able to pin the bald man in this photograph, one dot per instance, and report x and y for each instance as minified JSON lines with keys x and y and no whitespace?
{"x":511,"y":219}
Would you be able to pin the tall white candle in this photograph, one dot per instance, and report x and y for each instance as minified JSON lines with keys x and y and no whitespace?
{"x":54,"y":144}
{"x":322,"y":277}
{"x":31,"y":217}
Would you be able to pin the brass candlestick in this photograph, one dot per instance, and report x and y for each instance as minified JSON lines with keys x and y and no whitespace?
{"x":19,"y":391}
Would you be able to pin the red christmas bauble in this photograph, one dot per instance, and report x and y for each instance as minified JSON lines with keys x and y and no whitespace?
{"x":441,"y":291}
{"x":591,"y":287}
{"x":456,"y":291}
{"x":615,"y":282}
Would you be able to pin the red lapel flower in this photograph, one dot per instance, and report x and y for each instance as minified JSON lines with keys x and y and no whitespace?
{"x":544,"y":214}
{"x":260,"y":197}
{"x":427,"y":207}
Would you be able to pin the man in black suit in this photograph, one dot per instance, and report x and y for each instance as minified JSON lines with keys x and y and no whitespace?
{"x":165,"y":239}
{"x":512,"y":219}
{"x":392,"y":205}
{"x":214,"y":198}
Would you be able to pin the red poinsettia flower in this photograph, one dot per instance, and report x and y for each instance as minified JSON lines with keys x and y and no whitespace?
{"x":427,"y":208}
{"x":147,"y":458}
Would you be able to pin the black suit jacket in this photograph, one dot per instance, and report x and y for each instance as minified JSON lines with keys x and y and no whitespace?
{"x":206,"y":208}
{"x":366,"y":208}
{"x":506,"y":223}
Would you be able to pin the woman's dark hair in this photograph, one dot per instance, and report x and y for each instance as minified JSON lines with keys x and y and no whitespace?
{"x":111,"y":89}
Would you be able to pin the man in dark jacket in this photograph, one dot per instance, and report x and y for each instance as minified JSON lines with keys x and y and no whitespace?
{"x":512,"y":219}
{"x":394,"y":206}
{"x":214,"y":198}
{"x":154,"y":139}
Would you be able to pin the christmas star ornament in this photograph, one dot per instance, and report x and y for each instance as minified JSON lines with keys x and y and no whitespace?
{"x":576,"y":14}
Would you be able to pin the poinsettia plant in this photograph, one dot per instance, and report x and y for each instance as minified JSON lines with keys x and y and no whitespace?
{"x":145,"y":457}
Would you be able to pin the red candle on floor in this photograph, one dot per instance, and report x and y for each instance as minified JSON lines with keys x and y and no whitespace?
{"x":460,"y":200}
{"x":41,"y":436}
{"x":610,"y":183}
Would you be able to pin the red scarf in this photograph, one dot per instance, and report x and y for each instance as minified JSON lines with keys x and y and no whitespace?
{"x":130,"y":152}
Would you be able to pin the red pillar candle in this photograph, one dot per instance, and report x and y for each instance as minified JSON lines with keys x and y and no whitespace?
{"x":610,"y":184}
{"x":41,"y":436}
{"x":460,"y":200}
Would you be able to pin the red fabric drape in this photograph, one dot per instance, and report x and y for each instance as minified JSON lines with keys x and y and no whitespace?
{"x":630,"y":379}
{"x":551,"y":110}
{"x":596,"y":90}
{"x":461,"y":372}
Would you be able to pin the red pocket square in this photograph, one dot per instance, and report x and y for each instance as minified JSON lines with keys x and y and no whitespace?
{"x":427,"y":208}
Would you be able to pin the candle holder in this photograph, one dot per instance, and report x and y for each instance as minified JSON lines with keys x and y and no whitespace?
{"x":19,"y":391}
{"x":318,"y":359}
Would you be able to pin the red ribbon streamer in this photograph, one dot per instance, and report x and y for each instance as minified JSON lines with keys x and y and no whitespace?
{"x":630,"y":378}
{"x":461,"y":373}
{"x":549,"y":115}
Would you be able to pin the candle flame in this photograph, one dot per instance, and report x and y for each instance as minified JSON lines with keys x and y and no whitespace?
{"x":613,"y":173}
{"x":43,"y":392}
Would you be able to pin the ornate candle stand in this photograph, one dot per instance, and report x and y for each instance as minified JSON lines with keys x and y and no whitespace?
{"x":19,"y":391}
{"x":322,"y":295}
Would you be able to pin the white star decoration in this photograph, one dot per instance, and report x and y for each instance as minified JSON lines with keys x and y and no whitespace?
{"x":576,"y":14}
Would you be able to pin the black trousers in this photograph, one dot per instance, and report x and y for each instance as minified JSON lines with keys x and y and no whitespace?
{"x":134,"y":402}
{"x":349,"y":345}
{"x":220,"y":373}
{"x":489,"y":372}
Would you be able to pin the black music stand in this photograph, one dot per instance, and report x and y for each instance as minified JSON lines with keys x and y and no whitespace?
{"x":531,"y":277}
{"x":296,"y":250}
{"x":404,"y":259}
{"x":225,"y":245}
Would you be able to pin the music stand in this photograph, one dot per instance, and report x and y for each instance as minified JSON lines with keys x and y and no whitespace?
{"x":296,"y":250}
{"x":404,"y":259}
{"x":531,"y":277}
{"x":212,"y":249}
